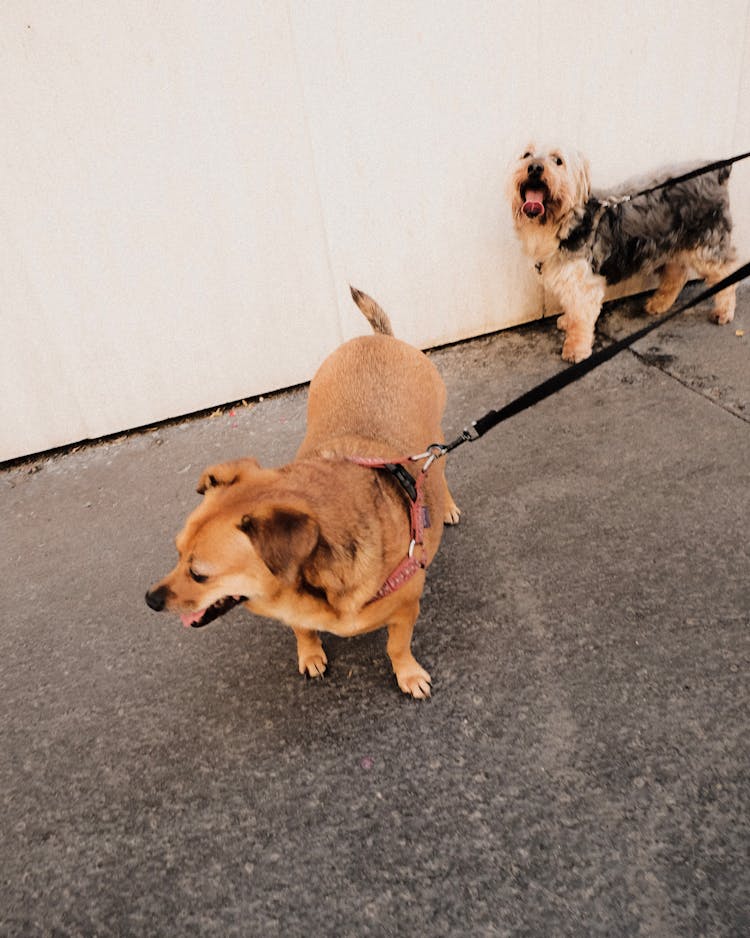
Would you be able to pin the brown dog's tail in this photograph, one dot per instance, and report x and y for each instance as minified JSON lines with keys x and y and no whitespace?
{"x":376,"y":316}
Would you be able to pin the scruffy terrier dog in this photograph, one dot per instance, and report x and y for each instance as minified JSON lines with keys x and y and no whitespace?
{"x":582,"y":242}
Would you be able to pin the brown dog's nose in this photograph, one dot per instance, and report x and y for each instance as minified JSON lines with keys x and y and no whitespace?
{"x":535,"y":169}
{"x":156,"y":599}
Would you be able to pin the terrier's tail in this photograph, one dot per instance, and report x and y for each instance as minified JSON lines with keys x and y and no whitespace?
{"x":377,"y":317}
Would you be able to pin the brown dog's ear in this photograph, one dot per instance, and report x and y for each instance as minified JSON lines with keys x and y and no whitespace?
{"x":226,"y":473}
{"x":284,"y":538}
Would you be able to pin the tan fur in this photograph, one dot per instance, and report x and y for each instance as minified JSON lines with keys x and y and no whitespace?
{"x":673,"y":278}
{"x":311,"y":543}
{"x":375,"y":315}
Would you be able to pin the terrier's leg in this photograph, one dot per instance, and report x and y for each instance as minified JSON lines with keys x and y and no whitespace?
{"x":674,"y":276}
{"x":581,"y":293}
{"x":713,"y":272}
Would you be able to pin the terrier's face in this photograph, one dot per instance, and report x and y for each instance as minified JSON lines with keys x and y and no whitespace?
{"x":546,"y":185}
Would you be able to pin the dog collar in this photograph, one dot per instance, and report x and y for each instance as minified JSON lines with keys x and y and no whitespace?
{"x":419,"y":519}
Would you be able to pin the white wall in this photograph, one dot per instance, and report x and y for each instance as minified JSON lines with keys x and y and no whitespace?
{"x":189,"y":187}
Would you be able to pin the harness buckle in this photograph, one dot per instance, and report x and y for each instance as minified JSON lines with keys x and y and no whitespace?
{"x":404,"y":478}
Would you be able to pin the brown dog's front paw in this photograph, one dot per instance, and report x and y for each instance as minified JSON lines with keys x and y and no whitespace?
{"x":311,"y":657}
{"x":575,"y":351}
{"x":314,"y":664}
{"x":414,"y":680}
{"x":452,"y":514}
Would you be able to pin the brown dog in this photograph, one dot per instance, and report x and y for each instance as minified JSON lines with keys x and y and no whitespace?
{"x":322,"y":544}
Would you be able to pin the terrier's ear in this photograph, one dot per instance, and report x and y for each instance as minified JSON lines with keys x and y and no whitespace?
{"x":583,"y":177}
{"x":284,"y":537}
{"x":226,"y":473}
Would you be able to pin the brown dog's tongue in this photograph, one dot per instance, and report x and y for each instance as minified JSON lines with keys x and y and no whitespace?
{"x":534,"y":204}
{"x":189,"y":617}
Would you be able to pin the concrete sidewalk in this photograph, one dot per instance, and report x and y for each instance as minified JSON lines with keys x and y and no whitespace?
{"x":582,"y":766}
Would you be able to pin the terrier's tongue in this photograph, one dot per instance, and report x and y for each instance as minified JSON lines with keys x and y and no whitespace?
{"x":188,"y":618}
{"x":534,"y":204}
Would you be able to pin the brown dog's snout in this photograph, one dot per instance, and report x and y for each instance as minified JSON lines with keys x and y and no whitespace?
{"x":156,"y":599}
{"x":535,"y":169}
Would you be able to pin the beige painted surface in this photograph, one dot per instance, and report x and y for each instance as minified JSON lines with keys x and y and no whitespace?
{"x":163,"y":247}
{"x":188,"y":188}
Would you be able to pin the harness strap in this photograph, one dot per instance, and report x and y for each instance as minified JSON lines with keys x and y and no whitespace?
{"x":692,"y":174}
{"x":415,"y":559}
{"x":403,"y":572}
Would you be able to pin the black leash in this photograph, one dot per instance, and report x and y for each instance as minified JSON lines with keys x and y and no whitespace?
{"x":559,"y":381}
{"x":596,"y":208}
{"x":694,"y":173}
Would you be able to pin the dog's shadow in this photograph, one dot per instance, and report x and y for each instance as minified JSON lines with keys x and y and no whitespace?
{"x":625,"y":314}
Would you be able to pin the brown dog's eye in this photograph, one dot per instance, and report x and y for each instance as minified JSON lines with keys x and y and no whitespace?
{"x":558,"y":160}
{"x":526,"y":155}
{"x":198,"y":577}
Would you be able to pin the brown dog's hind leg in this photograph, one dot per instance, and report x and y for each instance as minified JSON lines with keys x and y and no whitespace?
{"x":411,"y":676}
{"x":674,"y":276}
{"x":452,"y":511}
{"x":310,"y":654}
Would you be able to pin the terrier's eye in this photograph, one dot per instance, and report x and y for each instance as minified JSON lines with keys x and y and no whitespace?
{"x":526,"y":155}
{"x":558,"y":160}
{"x":198,"y":577}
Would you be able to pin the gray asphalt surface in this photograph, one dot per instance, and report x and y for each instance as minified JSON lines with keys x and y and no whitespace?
{"x":582,"y":768}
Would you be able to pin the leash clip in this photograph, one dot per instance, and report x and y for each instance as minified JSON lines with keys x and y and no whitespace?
{"x":468,"y":435}
{"x":434,"y":451}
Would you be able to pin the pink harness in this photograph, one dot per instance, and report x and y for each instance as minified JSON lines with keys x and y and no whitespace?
{"x":419,"y":518}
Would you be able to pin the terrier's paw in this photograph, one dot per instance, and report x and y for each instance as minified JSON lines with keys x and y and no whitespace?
{"x":657,"y":304}
{"x":414,"y":680}
{"x":575,"y":351}
{"x":722,"y":314}
{"x":313,"y":663}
